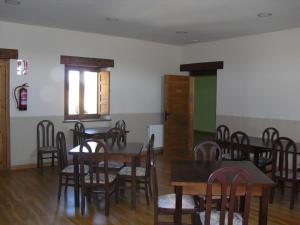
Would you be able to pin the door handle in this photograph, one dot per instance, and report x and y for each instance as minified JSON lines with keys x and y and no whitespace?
{"x":166,"y":115}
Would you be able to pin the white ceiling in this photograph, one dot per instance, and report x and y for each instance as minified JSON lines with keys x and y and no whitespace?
{"x":158,"y":20}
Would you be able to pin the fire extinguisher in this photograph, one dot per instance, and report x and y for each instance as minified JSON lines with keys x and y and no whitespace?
{"x":22,"y":96}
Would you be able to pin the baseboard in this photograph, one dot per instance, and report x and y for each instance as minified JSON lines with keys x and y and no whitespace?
{"x":29,"y":166}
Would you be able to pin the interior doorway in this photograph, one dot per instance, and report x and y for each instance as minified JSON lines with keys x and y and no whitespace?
{"x":205,"y":103}
{"x":4,"y":128}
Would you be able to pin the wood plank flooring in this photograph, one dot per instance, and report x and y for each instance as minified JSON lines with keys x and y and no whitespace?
{"x":29,"y":197}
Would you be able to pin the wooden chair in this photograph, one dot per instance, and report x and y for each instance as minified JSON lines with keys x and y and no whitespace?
{"x":284,"y":167}
{"x":165,"y":204}
{"x":228,"y":192}
{"x":142,"y":174}
{"x":208,"y":150}
{"x":79,"y":130}
{"x":113,"y":137}
{"x":45,"y":142}
{"x":66,"y":171}
{"x":269,"y":135}
{"x":122,"y":125}
{"x":96,"y":181}
{"x":222,"y":138}
{"x":239,"y":146}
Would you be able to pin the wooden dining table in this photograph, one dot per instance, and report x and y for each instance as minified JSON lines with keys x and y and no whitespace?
{"x":128,"y":153}
{"x":257,"y":146}
{"x":190,"y":177}
{"x":91,"y":132}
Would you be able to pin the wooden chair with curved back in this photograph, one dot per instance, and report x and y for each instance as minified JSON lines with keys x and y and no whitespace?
{"x":207,"y":150}
{"x":284,"y":167}
{"x":79,"y":130}
{"x":239,"y":146}
{"x":269,"y":135}
{"x":165,"y":204}
{"x":229,"y":178}
{"x":113,"y":137}
{"x":96,"y":180}
{"x":222,"y":138}
{"x":66,"y":171}
{"x":142,"y":173}
{"x":45,"y":142}
{"x":122,"y":125}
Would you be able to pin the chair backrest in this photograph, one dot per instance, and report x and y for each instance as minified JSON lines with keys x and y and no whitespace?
{"x":120,"y":124}
{"x":61,"y":150}
{"x":92,"y":152}
{"x":269,"y":135}
{"x":79,"y":131}
{"x":208,"y":150}
{"x":45,"y":134}
{"x":284,"y":158}
{"x":229,"y":179}
{"x":240,"y":146}
{"x":154,"y":181}
{"x":223,"y":137}
{"x":150,"y":153}
{"x":114,"y":135}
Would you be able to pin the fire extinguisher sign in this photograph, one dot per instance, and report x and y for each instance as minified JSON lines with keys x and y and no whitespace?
{"x":22,"y":67}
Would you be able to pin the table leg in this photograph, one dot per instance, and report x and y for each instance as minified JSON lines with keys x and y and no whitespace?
{"x":133,"y":185}
{"x":178,"y":208}
{"x":76,"y":180}
{"x":263,"y":207}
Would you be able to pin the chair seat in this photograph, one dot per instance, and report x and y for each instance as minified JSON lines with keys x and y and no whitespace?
{"x":290,"y":175}
{"x":126,"y":171}
{"x":215,"y":218}
{"x":111,"y":165}
{"x":48,"y":149}
{"x":226,"y":156}
{"x":168,"y":202}
{"x":70,"y":169}
{"x":111,"y":178}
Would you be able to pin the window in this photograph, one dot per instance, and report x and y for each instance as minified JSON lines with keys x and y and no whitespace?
{"x":86,"y":93}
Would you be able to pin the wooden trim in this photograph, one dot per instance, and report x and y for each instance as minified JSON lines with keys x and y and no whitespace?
{"x":203,"y":73}
{"x":86,"y":62}
{"x":206,"y":66}
{"x":191,"y":114}
{"x":6,"y":53}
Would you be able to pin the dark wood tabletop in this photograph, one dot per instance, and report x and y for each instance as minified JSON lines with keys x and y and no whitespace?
{"x":188,"y":171}
{"x":190,"y":177}
{"x":116,"y":149}
{"x":97,"y":130}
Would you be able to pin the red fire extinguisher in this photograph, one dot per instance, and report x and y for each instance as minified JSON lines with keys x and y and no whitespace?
{"x":22,"y":96}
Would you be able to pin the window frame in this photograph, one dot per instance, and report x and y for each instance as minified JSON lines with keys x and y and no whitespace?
{"x":81,"y":115}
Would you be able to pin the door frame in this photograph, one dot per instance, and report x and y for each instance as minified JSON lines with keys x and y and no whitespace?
{"x":6,"y":149}
{"x":5,"y":55}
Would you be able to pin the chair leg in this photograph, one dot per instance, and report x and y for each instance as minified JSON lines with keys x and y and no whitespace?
{"x":66,"y":184}
{"x":41,"y":161}
{"x":82,"y":203}
{"x":117,"y":192}
{"x":52,"y":159}
{"x":38,"y":159}
{"x":150,"y":188}
{"x":146,"y":193}
{"x":293,"y":192}
{"x":106,"y":203}
{"x":155,"y":216}
{"x":59,"y":186}
{"x":282,"y":183}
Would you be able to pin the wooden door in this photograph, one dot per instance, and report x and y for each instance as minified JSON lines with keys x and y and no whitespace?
{"x":4,"y":163}
{"x":178,"y":115}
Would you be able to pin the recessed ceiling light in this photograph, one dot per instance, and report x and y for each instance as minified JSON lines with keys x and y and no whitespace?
{"x":112,"y":19}
{"x":181,"y":32}
{"x":13,"y":2}
{"x":264,"y":14}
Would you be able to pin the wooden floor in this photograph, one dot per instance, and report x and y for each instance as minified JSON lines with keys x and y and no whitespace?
{"x":30,"y":197}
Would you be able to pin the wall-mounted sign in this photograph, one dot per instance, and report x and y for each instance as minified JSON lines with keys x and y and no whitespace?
{"x":22,"y":67}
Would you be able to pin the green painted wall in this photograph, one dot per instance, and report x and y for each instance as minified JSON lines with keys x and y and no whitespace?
{"x":205,"y":103}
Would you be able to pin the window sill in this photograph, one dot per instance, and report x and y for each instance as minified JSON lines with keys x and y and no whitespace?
{"x":87,"y":120}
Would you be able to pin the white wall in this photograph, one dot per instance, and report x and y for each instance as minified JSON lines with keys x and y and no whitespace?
{"x":135,"y":79}
{"x":261,"y":77}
